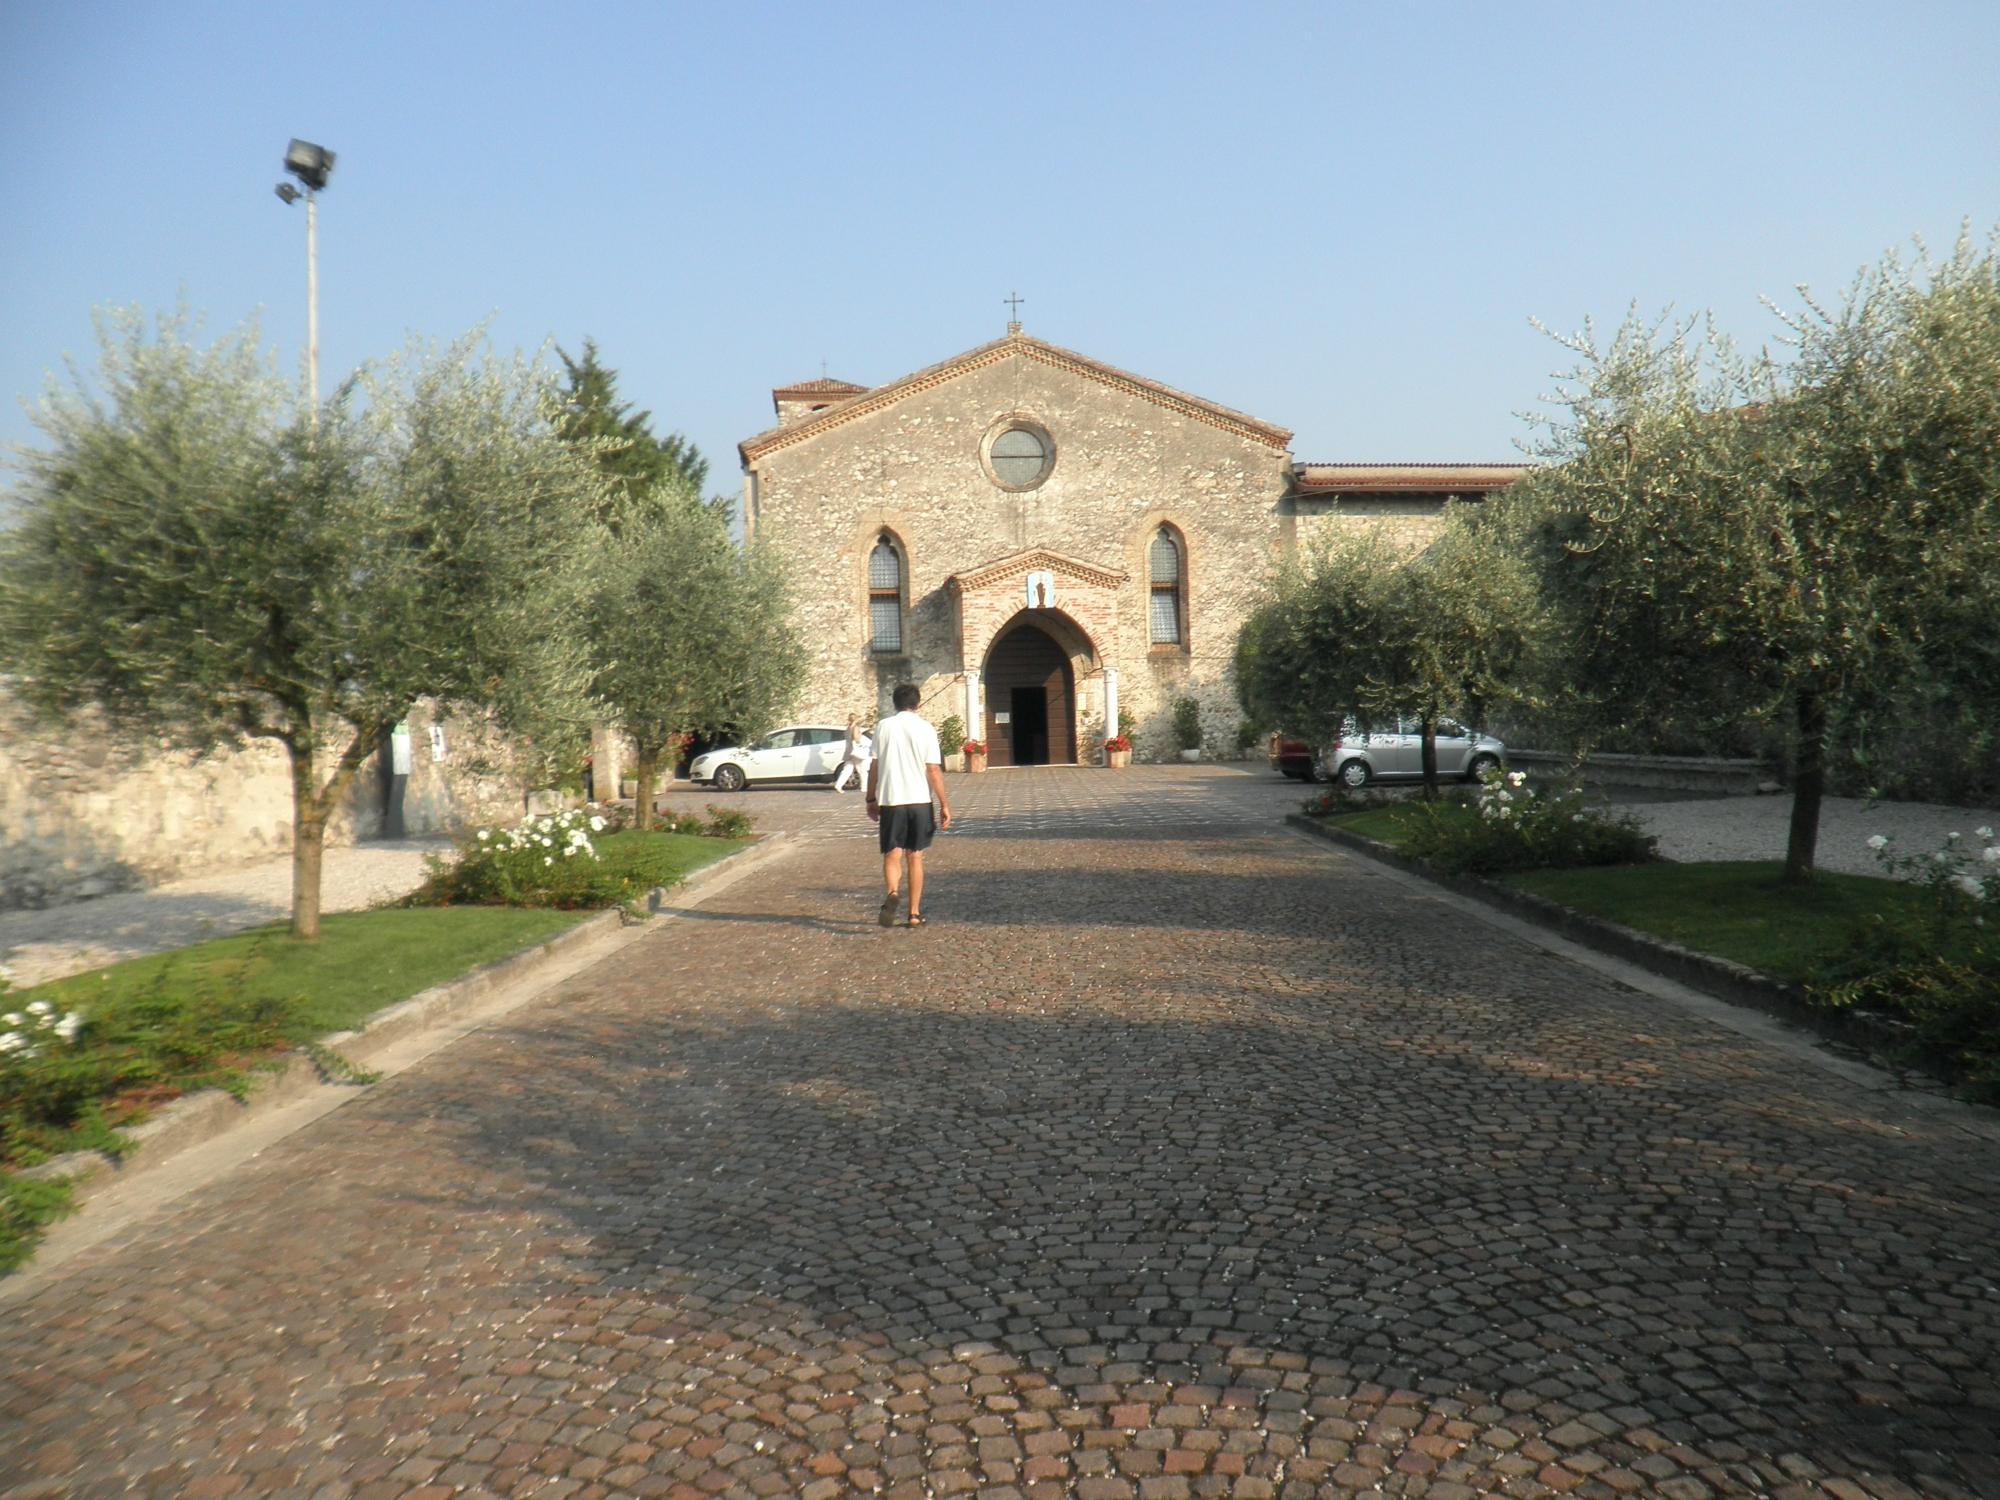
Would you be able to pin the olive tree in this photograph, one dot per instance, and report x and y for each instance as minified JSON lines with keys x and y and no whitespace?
{"x":201,"y":559}
{"x":1736,"y":539}
{"x":691,"y":635}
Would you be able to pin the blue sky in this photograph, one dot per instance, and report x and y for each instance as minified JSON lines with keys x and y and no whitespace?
{"x":1336,"y":217}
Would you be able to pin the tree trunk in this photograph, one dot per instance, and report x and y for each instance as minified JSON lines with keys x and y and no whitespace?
{"x":1430,"y":759}
{"x":311,"y":807}
{"x":642,"y":809}
{"x":1808,"y":787}
{"x":308,"y":840}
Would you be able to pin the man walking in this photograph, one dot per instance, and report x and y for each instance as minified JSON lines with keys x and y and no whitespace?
{"x":908,"y":770}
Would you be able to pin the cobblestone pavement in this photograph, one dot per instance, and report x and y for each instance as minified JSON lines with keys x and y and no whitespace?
{"x":1179,"y":1157}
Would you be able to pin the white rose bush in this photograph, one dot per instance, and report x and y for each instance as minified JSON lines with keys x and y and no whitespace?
{"x":1512,"y":827}
{"x":1935,"y":961}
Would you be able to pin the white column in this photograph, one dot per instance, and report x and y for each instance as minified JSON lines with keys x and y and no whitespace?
{"x":1110,"y":701}
{"x":974,"y":716}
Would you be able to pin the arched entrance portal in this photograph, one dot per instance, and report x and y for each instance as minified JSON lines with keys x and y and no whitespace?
{"x":1030,"y":691}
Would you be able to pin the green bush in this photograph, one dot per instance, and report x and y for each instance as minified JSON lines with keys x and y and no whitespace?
{"x":574,"y":860}
{"x":1187,"y":723}
{"x":951,"y":735}
{"x":1934,"y":962}
{"x":1511,"y":828}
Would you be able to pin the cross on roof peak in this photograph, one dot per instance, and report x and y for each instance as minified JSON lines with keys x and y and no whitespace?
{"x":1013,"y":301}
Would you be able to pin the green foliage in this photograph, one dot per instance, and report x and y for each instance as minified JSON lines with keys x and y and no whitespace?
{"x":574,"y":861}
{"x":1247,"y":735}
{"x":951,"y":735}
{"x":692,"y":634}
{"x":197,"y":561}
{"x":1511,"y":828}
{"x":646,"y":472}
{"x":1127,"y":724}
{"x":27,"y":1207}
{"x":1720,"y":539}
{"x":1187,"y":723}
{"x":1934,"y":961}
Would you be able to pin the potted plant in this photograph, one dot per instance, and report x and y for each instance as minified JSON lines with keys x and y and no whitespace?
{"x":951,"y":739}
{"x":1118,"y":752}
{"x":1187,"y":727}
{"x":975,"y":755}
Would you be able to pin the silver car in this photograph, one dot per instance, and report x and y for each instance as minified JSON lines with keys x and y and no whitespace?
{"x":1395,"y":752}
{"x":798,"y":752}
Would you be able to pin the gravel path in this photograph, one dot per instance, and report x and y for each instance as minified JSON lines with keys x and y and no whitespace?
{"x":1755,"y":828}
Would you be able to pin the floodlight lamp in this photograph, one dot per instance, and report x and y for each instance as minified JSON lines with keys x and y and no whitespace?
{"x":309,"y":163}
{"x":287,"y":192}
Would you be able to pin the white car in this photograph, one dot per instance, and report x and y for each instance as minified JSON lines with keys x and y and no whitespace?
{"x":1395,"y":752}
{"x":798,"y":752}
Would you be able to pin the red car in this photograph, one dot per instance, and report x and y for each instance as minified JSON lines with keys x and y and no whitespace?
{"x":1294,"y":758}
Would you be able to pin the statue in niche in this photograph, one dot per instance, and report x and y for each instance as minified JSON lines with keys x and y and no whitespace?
{"x":1041,"y":589}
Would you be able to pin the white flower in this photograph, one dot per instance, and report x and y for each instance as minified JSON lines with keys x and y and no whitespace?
{"x":13,"y":1018}
{"x":548,"y":859}
{"x":1985,"y":833}
{"x":1515,"y":778}
{"x":38,"y":1008}
{"x":66,"y":1027}
{"x":1940,"y":857}
{"x":1878,"y":841}
{"x":570,"y":852}
{"x":485,"y":834}
{"x":12,"y":1041}
{"x":1951,"y":838}
{"x":578,"y":836}
{"x":1576,"y":817}
{"x":597,"y":825}
{"x":1991,"y":854}
{"x":1973,"y":886}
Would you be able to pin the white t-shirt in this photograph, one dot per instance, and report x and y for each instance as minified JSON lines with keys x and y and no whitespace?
{"x":904,"y":744}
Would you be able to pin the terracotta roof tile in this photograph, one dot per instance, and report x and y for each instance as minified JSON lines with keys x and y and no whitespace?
{"x":1319,"y":479}
{"x":819,"y":387}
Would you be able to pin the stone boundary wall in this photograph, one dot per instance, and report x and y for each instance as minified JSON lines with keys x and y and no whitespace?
{"x":84,"y":814}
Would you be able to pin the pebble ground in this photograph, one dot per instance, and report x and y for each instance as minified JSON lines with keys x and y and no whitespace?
{"x":1178,"y":1157}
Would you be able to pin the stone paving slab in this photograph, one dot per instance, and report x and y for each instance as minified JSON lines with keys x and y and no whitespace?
{"x":1179,"y":1157}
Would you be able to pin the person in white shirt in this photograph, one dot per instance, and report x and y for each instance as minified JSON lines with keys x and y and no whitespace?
{"x":908,"y":771}
{"x":853,"y":770}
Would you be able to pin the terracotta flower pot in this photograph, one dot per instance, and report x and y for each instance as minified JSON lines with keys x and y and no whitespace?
{"x":1118,"y":760}
{"x":974,"y":762}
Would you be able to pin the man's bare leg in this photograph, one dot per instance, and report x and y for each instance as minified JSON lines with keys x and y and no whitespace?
{"x":892,"y":872}
{"x":916,"y":882}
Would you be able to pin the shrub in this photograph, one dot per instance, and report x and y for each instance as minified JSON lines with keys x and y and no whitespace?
{"x":544,"y":861}
{"x":1331,"y":801}
{"x":1247,"y":735}
{"x":951,"y":735}
{"x":1935,"y":963}
{"x":1510,"y":828}
{"x":1187,"y":723}
{"x":725,"y":823}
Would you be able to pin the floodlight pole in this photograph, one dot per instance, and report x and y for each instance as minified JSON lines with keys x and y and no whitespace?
{"x":312,"y":308}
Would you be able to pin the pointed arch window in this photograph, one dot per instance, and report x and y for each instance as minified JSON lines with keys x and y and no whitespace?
{"x":1164,"y":567}
{"x":885,"y":598}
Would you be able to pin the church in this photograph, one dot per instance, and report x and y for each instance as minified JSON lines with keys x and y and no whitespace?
{"x":1039,"y":540}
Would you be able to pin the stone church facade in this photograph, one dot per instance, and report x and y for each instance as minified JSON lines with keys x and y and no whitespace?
{"x":1039,"y":540}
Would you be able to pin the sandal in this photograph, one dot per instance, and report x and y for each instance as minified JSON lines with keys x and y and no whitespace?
{"x":887,"y":915}
{"x":918,"y":920}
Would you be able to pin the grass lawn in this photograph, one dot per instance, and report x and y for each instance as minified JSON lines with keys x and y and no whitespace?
{"x":1386,"y":824}
{"x":1742,"y":911}
{"x":650,"y":859}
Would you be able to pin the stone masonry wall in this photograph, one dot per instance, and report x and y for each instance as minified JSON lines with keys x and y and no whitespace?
{"x":83,"y":814}
{"x":1123,"y":465}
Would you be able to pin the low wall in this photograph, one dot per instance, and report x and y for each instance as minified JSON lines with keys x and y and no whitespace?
{"x":1682,"y":773}
{"x":84,"y":814}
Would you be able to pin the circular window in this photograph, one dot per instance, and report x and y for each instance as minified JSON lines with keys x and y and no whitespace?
{"x":1019,"y":454}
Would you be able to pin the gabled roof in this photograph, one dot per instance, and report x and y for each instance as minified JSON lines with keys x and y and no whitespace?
{"x":1366,"y":479}
{"x":821,"y":386}
{"x":1014,"y":346}
{"x":1022,"y":563}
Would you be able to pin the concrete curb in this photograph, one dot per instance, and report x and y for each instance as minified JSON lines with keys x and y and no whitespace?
{"x":1723,"y":978}
{"x":195,"y":1119}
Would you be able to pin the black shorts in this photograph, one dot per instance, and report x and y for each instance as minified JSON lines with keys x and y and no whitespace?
{"x":908,"y":826}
